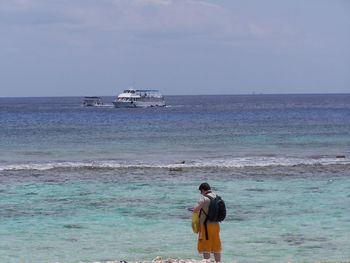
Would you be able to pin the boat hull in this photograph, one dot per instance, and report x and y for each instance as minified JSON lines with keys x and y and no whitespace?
{"x":92,"y":101}
{"x":138,"y":104}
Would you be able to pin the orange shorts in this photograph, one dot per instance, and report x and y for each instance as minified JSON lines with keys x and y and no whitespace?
{"x":213,"y":244}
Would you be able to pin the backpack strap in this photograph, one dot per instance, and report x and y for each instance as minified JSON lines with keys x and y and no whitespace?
{"x":206,"y":228}
{"x":205,"y":223}
{"x":210,"y":197}
{"x":206,"y":218}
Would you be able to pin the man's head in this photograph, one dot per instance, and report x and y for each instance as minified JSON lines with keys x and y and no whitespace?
{"x":204,"y":187}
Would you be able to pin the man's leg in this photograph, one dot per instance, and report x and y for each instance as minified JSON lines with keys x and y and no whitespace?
{"x":206,"y":255}
{"x":217,"y":257}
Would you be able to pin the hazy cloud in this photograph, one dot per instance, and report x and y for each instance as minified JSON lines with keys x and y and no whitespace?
{"x":140,"y":18}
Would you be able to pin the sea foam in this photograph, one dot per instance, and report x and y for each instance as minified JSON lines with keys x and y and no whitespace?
{"x":239,"y":162}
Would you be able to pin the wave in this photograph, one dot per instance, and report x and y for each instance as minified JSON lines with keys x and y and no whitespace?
{"x":240,"y":162}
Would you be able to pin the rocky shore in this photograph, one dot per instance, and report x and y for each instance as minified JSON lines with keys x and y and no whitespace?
{"x":158,"y":260}
{"x":179,"y":260}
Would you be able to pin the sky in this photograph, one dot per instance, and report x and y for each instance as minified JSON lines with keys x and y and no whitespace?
{"x":181,"y":47}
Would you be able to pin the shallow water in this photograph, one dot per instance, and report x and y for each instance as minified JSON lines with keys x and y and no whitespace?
{"x":86,"y":184}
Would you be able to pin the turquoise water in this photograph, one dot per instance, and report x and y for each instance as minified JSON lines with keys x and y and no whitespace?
{"x":68,"y":217}
{"x":81,"y":184}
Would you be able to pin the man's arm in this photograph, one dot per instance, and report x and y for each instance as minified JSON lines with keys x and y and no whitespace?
{"x":197,"y":208}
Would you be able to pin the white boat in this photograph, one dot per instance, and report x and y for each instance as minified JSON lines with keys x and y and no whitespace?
{"x":132,"y":98}
{"x":92,"y":101}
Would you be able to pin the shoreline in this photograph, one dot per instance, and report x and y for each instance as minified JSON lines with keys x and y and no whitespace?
{"x":159,"y":259}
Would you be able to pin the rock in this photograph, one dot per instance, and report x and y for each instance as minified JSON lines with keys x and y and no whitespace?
{"x":175,"y":169}
{"x":157,"y":259}
{"x":340,"y":156}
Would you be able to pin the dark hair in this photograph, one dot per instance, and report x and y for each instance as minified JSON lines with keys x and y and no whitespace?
{"x":204,"y":187}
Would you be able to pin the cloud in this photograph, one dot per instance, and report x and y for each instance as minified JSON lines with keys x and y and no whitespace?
{"x":28,"y":13}
{"x":138,"y":17}
{"x":146,"y":20}
{"x":175,"y":20}
{"x":154,"y":17}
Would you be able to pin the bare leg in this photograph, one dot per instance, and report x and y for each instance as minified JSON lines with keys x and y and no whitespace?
{"x":206,"y":255}
{"x":217,"y":257}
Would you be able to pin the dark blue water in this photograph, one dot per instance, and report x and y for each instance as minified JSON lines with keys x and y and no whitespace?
{"x":191,"y":128}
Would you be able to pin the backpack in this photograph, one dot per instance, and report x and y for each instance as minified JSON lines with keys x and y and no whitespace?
{"x":216,"y":212}
{"x":217,"y":209}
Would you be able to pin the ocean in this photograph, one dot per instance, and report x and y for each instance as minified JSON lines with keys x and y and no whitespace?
{"x":100,"y":183}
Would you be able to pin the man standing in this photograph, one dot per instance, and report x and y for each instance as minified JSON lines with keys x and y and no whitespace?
{"x":209,"y":232}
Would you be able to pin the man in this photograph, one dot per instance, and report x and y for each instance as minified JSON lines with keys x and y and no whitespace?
{"x":208,"y":242}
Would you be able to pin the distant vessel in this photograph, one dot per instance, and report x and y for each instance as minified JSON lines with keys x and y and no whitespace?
{"x":92,"y":101}
{"x":131,"y":98}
